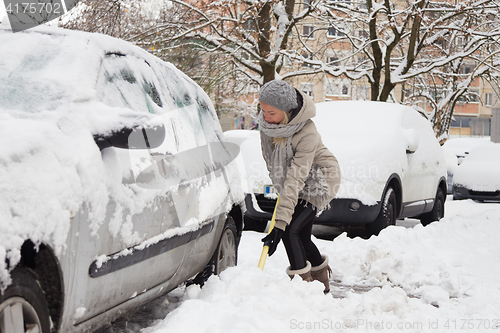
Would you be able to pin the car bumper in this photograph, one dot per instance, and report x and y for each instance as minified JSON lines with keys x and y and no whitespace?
{"x":461,"y":192}
{"x":258,"y":214}
{"x":340,"y":214}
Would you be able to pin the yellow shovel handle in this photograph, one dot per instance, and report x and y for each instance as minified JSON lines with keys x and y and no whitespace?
{"x":265,"y":249}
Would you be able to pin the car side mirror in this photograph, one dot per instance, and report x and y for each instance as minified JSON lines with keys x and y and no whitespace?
{"x":133,"y":138}
{"x":411,"y":148}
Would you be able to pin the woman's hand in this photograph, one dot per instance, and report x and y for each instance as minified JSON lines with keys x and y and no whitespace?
{"x":272,"y":239}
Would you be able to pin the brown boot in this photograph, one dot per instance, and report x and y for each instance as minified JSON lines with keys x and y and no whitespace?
{"x":322,"y":273}
{"x":304,"y":273}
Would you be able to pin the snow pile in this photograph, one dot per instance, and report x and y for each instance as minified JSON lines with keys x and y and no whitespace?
{"x":480,"y":170}
{"x":443,"y":277}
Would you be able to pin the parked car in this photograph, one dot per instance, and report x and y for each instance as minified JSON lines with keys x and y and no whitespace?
{"x":455,"y":150}
{"x":392,"y":167}
{"x":478,"y":176}
{"x":461,"y":147}
{"x":116,"y":183}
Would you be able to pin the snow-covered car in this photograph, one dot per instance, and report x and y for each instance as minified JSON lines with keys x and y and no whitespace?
{"x":116,"y":183}
{"x":391,"y":163}
{"x":461,"y":147}
{"x":478,"y":176}
{"x":455,"y":150}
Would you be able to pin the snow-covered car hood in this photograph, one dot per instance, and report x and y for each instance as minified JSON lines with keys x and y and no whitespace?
{"x":480,"y":170}
{"x":369,"y":139}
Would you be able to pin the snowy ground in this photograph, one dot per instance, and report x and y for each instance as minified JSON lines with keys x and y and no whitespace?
{"x":441,"y":278}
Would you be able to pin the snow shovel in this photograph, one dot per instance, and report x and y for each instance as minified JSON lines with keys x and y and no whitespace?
{"x":265,"y":249}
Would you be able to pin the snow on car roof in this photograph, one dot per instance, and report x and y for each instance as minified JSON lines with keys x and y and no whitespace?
{"x":480,"y":170}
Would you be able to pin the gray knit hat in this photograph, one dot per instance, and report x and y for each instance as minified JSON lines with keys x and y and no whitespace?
{"x":279,"y":94}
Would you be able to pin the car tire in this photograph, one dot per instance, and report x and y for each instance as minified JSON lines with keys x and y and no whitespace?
{"x":25,"y":300}
{"x":225,"y":255}
{"x":437,"y":211}
{"x":387,"y":215}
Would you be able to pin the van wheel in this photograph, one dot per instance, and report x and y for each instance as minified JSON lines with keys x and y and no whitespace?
{"x":225,"y":255}
{"x":437,"y":212}
{"x":387,"y":215}
{"x":23,"y":307}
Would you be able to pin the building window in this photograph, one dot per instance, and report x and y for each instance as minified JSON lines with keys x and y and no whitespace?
{"x":363,"y":34}
{"x":247,"y":56}
{"x":333,"y":60}
{"x":308,"y":31}
{"x":339,"y":3}
{"x":474,"y":96}
{"x":307,"y":56}
{"x":334,"y":32}
{"x":487,"y":99}
{"x":338,"y":87}
{"x":467,"y":69}
{"x":307,"y":4}
{"x":307,"y":88}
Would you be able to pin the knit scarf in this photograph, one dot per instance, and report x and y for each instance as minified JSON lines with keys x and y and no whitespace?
{"x":279,"y":158}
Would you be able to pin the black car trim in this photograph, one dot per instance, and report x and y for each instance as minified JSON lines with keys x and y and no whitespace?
{"x":117,"y":262}
{"x":461,"y":192}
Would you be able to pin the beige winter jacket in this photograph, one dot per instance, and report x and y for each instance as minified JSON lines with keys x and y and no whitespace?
{"x":308,"y":150}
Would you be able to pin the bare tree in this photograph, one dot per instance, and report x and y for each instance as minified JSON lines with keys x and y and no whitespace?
{"x":252,"y":34}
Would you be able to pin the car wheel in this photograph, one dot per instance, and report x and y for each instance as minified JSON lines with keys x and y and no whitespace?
{"x":437,"y":212}
{"x":23,"y":307}
{"x":387,"y":215}
{"x":225,"y":255}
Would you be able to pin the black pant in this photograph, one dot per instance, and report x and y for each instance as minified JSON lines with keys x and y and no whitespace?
{"x":297,"y":237}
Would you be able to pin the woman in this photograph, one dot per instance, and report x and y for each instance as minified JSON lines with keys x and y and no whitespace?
{"x":303,"y":171}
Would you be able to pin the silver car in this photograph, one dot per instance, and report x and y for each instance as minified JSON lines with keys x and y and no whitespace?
{"x":116,"y":183}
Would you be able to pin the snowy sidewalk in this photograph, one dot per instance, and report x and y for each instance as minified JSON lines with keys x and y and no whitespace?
{"x":442,"y":278}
